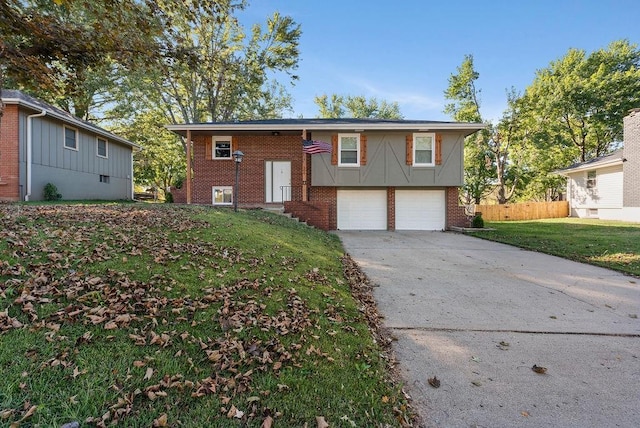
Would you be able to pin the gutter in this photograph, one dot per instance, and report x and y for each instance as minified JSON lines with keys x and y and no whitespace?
{"x":29,"y":150}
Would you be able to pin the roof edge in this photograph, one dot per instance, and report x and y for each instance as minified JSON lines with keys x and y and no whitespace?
{"x":70,"y":119}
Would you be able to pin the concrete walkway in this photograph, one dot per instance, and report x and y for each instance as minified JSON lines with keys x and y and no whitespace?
{"x":478,"y":315}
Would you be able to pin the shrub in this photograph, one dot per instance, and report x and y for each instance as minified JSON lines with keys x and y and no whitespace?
{"x":168,"y":198}
{"x":477,"y":222}
{"x":51,"y":193}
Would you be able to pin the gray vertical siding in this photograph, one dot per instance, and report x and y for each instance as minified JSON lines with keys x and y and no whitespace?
{"x":386,"y":163}
{"x":76,"y":173}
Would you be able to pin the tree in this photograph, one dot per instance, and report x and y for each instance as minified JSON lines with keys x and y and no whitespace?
{"x":579,"y":101}
{"x":64,"y":51}
{"x":221,"y":74}
{"x":465,"y":107}
{"x":356,"y":107}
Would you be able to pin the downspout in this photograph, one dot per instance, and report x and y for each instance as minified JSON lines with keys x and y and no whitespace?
{"x":29,"y":150}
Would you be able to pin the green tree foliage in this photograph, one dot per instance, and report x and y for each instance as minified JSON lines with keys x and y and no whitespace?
{"x":578,"y":102}
{"x":161,"y":162}
{"x":573,"y":111}
{"x":221,"y":74}
{"x":356,"y":107}
{"x":64,"y":51}
{"x":479,"y":170}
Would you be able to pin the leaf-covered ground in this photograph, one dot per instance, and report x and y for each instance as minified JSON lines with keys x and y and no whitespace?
{"x":142,"y":315}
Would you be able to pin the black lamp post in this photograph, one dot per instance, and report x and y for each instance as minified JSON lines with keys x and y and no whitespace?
{"x":237,"y":156}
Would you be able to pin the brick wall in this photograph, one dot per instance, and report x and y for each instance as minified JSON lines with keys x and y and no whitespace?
{"x":455,"y":211}
{"x":313,"y":213}
{"x":257,"y":149}
{"x":631,"y":167}
{"x":391,"y":208}
{"x":9,"y":155}
{"x":326,"y":195}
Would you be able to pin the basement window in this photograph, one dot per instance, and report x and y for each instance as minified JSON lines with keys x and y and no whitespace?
{"x":104,"y":178}
{"x":222,"y":195}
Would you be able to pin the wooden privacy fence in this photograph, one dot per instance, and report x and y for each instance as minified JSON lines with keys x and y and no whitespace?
{"x":524,"y":211}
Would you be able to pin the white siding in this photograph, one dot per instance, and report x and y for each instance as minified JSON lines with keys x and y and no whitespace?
{"x":606,"y":195}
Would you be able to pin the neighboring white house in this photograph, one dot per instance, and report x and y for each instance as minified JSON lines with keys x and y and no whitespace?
{"x":608,"y":187}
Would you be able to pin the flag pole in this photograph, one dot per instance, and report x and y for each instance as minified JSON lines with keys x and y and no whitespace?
{"x":304,"y":169}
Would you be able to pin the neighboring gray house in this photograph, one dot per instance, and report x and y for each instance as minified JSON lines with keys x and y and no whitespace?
{"x":42,"y":144}
{"x":371,"y":173}
{"x":608,"y":187}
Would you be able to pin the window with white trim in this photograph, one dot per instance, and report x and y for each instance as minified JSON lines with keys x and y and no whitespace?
{"x":221,"y":148}
{"x":424,"y":149}
{"x":222,"y":195}
{"x":70,"y":138}
{"x":102,"y":147}
{"x":591,"y":179}
{"x":349,"y":149}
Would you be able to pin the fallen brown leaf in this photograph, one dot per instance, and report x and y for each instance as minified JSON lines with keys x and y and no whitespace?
{"x":434,"y":382}
{"x":161,"y":421}
{"x":539,"y":369}
{"x":321,"y":423}
{"x":267,"y":423}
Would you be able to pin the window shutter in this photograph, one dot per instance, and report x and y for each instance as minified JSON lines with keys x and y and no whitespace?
{"x":234,"y":144}
{"x":208,"y":151}
{"x":438,"y":149}
{"x":334,"y":149}
{"x":409,"y":149}
{"x":363,"y":149}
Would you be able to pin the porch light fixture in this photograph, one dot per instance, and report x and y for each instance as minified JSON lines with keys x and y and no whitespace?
{"x":237,"y":157}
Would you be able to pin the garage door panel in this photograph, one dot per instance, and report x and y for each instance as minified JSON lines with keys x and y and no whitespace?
{"x":362,"y":209}
{"x":420,"y":209}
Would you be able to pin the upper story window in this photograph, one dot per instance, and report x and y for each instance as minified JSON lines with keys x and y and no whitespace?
{"x":423,"y":149}
{"x":221,"y":148}
{"x":70,"y":138}
{"x":102,"y":147}
{"x":349,"y":149}
{"x":591,"y":179}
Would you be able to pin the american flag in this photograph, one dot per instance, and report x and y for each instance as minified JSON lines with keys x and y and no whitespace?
{"x":314,"y":147}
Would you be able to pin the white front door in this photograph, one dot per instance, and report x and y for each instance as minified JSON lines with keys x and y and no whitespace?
{"x":277,"y":181}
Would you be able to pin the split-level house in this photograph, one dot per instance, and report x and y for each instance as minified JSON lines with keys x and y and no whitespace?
{"x":347,"y":174}
{"x":41,"y":144}
{"x":608,"y":187}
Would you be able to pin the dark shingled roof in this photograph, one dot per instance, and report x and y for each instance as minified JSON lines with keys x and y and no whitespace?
{"x":596,"y":162}
{"x":14,"y":96}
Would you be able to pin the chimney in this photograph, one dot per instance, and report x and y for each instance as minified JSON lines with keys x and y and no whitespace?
{"x":631,"y":166}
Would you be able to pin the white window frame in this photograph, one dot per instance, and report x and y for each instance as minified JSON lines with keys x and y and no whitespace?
{"x":106,"y":148}
{"x":64,"y":137}
{"x":221,"y":139}
{"x":221,"y":188}
{"x":433,"y":148}
{"x":592,"y":182}
{"x":340,"y":137}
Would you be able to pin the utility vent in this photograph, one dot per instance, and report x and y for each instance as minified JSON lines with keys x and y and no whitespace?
{"x":593,"y":212}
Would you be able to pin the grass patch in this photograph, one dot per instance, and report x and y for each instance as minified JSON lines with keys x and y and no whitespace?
{"x":610,"y":244}
{"x":165,"y":315}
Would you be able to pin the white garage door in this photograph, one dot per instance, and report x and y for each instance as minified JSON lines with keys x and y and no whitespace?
{"x":420,"y":210}
{"x":362,"y":209}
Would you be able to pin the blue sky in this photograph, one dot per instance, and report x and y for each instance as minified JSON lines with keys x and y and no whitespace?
{"x":405,"y":50}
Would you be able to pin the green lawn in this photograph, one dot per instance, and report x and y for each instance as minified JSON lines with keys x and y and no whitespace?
{"x":611,"y":244}
{"x":156,"y":315}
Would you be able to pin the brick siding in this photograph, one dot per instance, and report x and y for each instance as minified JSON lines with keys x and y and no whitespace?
{"x":313,"y":213}
{"x":9,"y":155}
{"x":455,"y":215}
{"x":631,"y":167}
{"x":391,"y":208}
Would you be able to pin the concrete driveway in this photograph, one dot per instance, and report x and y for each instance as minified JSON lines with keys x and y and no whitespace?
{"x":478,"y":315}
